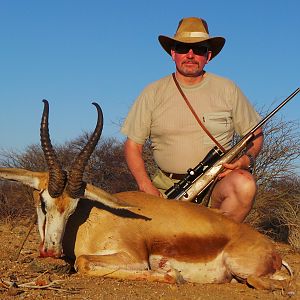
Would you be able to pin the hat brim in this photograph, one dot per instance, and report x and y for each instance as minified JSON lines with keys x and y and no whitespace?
{"x":216,"y":43}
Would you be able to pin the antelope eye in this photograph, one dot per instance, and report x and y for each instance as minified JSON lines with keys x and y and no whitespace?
{"x":43,"y":206}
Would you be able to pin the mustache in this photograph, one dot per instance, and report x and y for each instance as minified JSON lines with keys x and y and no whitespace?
{"x":189,"y":61}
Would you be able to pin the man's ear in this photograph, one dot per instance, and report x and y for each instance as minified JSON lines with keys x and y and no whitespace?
{"x":209,"y":54}
{"x":173,"y":54}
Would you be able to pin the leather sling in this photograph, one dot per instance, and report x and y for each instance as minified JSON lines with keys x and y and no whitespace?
{"x":195,"y":115}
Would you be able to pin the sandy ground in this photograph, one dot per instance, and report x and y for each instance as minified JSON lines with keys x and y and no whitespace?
{"x":31,"y":277}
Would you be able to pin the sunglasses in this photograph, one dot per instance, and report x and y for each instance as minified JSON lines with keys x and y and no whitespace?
{"x":197,"y":50}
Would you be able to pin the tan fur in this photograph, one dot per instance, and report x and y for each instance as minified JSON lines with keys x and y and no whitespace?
{"x":180,"y":233}
{"x":133,"y":235}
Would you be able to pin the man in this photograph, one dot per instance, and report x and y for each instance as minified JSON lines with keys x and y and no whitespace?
{"x":178,"y":141}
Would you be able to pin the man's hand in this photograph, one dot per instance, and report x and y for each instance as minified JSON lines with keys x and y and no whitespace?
{"x":136,"y":164}
{"x":244,"y":161}
{"x":149,"y":188}
{"x":241,"y":163}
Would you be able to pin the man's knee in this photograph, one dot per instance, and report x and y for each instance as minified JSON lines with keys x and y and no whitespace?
{"x":243,"y":181}
{"x":236,"y":191}
{"x":238,"y":182}
{"x":244,"y":190}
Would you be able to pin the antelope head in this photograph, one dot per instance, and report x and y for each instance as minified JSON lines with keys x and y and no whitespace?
{"x":57,"y":192}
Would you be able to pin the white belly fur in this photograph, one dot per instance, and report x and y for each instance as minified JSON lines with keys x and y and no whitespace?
{"x":209,"y":272}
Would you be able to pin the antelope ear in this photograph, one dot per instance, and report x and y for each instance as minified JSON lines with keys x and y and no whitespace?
{"x":96,"y":194}
{"x":36,"y":180}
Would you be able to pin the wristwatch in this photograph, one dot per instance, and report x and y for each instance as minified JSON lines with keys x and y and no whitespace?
{"x":252,"y":162}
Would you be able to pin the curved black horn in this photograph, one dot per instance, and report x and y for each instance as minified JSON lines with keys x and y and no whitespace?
{"x":76,"y":186}
{"x":57,"y":177}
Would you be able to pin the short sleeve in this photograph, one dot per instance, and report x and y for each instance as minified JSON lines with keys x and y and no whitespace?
{"x":245,"y":116}
{"x":138,"y":121}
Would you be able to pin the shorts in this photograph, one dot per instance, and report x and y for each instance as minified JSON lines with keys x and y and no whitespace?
{"x":162,"y":182}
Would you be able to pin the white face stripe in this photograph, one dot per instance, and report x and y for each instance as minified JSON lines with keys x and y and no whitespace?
{"x":41,"y":221}
{"x":55,"y":221}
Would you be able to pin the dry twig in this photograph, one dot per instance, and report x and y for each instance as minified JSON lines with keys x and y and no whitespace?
{"x":37,"y":283}
{"x":32,"y":223}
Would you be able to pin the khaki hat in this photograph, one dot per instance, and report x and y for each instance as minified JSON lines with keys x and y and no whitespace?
{"x":189,"y":31}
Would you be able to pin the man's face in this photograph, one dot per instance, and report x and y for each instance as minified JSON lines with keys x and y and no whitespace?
{"x":190,"y":59}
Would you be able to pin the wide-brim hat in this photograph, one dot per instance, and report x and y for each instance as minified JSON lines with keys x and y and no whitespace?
{"x":192,"y":30}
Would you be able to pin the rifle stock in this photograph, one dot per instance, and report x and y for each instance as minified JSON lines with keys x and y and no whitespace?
{"x":188,"y":190}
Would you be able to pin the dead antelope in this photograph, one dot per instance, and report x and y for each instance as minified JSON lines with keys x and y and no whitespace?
{"x":133,"y":235}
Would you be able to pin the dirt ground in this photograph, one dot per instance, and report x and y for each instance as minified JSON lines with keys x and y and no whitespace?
{"x":31,"y":277}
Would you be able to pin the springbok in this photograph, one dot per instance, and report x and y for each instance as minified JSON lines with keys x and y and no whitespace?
{"x":133,"y":235}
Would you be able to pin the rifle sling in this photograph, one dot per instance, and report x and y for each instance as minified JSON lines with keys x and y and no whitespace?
{"x":195,"y":115}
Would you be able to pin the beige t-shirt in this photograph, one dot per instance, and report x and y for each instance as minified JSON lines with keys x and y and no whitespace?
{"x":178,"y":141}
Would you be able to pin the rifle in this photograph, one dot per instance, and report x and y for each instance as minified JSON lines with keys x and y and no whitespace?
{"x":198,"y":179}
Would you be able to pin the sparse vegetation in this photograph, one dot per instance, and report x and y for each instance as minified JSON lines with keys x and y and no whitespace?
{"x":276,"y":212}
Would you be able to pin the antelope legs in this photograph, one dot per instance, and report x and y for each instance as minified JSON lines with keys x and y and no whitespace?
{"x":113,"y":266}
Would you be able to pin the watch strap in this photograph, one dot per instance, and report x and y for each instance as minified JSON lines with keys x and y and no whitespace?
{"x":251,"y":162}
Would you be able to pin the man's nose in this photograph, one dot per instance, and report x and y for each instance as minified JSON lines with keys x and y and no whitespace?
{"x":191,"y":53}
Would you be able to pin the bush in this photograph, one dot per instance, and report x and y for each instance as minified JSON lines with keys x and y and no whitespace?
{"x":16,"y":201}
{"x":276,"y":210}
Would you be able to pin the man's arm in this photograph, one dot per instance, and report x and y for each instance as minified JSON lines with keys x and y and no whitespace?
{"x":244,"y":161}
{"x":134,"y":158}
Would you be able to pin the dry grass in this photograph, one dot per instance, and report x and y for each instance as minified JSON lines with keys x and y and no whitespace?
{"x":16,"y":201}
{"x":277,"y":214}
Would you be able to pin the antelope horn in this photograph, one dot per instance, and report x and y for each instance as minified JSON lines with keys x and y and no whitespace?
{"x":76,"y":186}
{"x":57,"y":177}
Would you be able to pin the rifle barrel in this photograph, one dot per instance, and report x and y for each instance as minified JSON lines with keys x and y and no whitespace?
{"x":274,"y":111}
{"x":187,"y":190}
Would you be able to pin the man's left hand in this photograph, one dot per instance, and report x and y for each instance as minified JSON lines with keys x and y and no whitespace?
{"x":241,"y":163}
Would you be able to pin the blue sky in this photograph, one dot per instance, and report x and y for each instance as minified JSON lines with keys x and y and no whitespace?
{"x":76,"y":52}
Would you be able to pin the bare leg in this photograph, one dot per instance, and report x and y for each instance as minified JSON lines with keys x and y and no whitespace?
{"x":234,"y":195}
{"x":112,"y":266}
